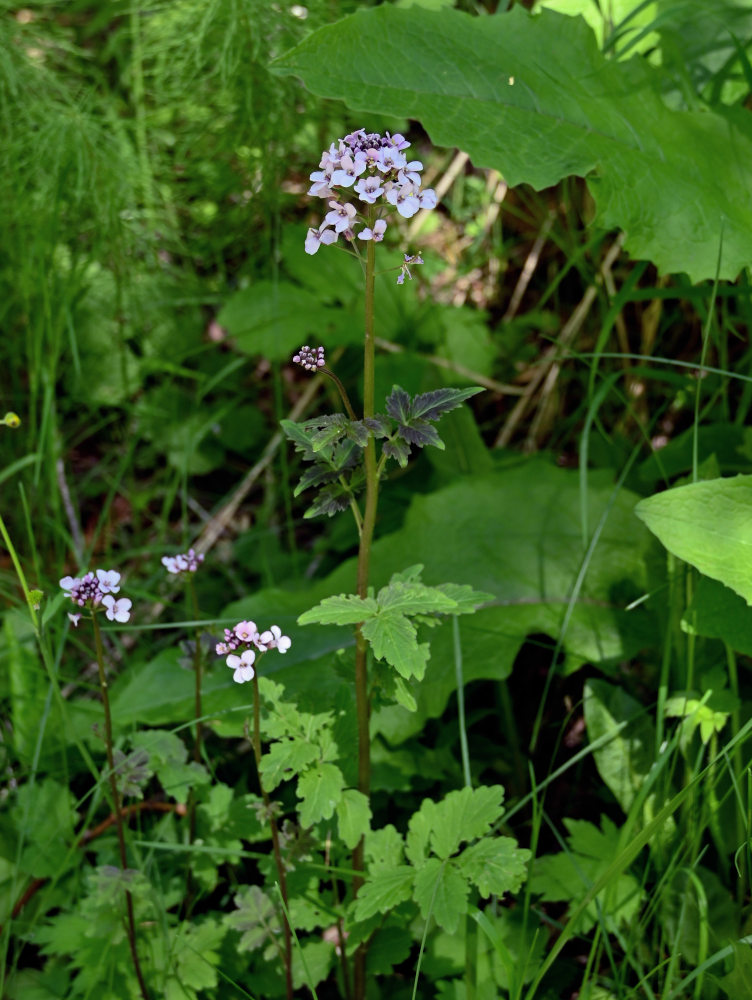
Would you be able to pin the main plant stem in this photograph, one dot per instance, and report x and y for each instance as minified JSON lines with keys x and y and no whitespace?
{"x":275,"y":839}
{"x":116,"y":804}
{"x":364,"y":558}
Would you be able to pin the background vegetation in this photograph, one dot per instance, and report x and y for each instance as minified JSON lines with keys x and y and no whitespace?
{"x":586,"y":267}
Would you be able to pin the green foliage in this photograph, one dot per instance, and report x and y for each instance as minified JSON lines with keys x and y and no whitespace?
{"x":153,"y":283}
{"x":389,"y":621}
{"x":707,"y":525}
{"x":568,"y":875}
{"x":438,"y":879}
{"x":532,"y":97}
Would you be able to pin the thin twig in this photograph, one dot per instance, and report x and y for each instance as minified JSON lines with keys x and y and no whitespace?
{"x":528,"y":268}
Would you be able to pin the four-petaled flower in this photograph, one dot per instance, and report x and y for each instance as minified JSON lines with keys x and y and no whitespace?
{"x":246,"y":631}
{"x":117,"y":611}
{"x":376,"y":234}
{"x":273,"y":639}
{"x":341,"y":216}
{"x":316,"y":237}
{"x":109,"y":581}
{"x":242,"y":665}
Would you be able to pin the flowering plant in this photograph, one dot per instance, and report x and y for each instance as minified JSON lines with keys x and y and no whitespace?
{"x":375,"y":169}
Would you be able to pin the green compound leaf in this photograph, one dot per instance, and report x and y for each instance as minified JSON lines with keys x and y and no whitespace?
{"x":441,"y":892}
{"x":462,"y":815}
{"x":533,"y":97}
{"x":415,"y":598}
{"x":495,"y":864}
{"x":344,"y":609}
{"x":353,"y":816}
{"x":709,"y":525}
{"x":393,"y":638}
{"x":285,"y":759}
{"x":320,"y":788}
{"x":391,"y":886}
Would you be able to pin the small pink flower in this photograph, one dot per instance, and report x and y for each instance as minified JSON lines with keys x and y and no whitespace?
{"x":273,"y":639}
{"x":246,"y":631}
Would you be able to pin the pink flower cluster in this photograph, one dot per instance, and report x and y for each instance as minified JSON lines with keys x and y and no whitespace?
{"x":187,"y":562}
{"x":246,"y":637}
{"x":94,"y":589}
{"x":374,"y":166}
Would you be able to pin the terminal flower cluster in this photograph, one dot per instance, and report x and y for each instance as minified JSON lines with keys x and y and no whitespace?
{"x":187,"y":562}
{"x":371,"y":167}
{"x":246,"y":640}
{"x":94,"y":589}
{"x":310,"y":358}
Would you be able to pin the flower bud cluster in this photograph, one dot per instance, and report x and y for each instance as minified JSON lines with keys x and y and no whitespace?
{"x":187,"y":562}
{"x":94,"y":589}
{"x":374,"y":167}
{"x":246,"y":637}
{"x":310,"y":358}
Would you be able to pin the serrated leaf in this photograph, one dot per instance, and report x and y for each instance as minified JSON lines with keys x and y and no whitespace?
{"x":412,"y":598}
{"x":495,"y":865}
{"x":398,"y":404}
{"x":441,"y":892}
{"x":463,"y":815}
{"x":296,"y":433}
{"x":431,"y":405}
{"x":709,"y":525}
{"x":419,"y":834}
{"x":384,"y":849}
{"x":568,"y":875}
{"x":393,"y":638}
{"x":320,"y":788}
{"x":353,"y":816}
{"x":285,"y":759}
{"x":378,"y":425}
{"x":403,"y":695}
{"x":331,"y":500}
{"x":390,"y":887}
{"x":534,"y":98}
{"x":398,"y":450}
{"x":343,"y":609}
{"x":420,"y":433}
{"x":465,"y":597}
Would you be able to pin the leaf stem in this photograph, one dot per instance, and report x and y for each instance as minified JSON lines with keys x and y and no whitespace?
{"x":116,"y":801}
{"x":275,"y":838}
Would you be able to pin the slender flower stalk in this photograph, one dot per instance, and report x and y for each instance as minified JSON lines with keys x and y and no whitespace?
{"x":281,"y":872}
{"x":117,"y":811}
{"x":91,"y":592}
{"x":246,"y":640}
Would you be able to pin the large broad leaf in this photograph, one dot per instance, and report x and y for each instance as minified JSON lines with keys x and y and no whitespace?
{"x":709,"y":525}
{"x":533,"y":97}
